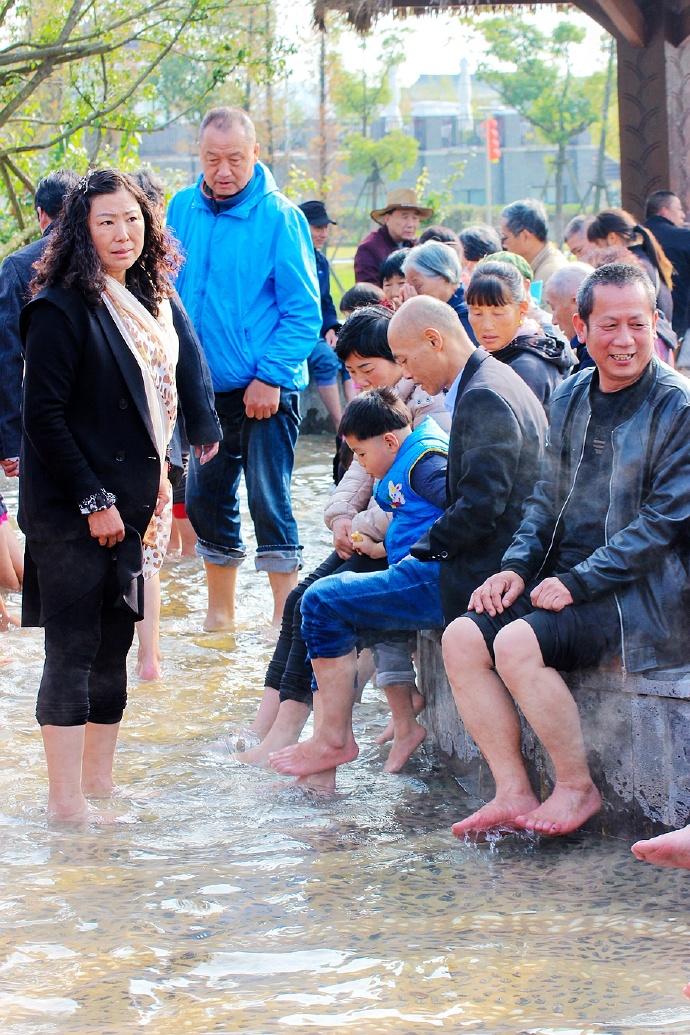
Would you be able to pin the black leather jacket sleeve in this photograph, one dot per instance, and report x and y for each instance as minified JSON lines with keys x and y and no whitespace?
{"x":487,"y":437}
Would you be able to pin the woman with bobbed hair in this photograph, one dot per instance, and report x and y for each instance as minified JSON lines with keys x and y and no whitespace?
{"x":614,"y":227}
{"x":434,"y":269}
{"x":498,"y":305}
{"x":100,"y":402}
{"x":477,"y":242}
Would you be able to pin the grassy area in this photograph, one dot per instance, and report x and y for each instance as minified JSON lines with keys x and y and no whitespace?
{"x":342,"y":270}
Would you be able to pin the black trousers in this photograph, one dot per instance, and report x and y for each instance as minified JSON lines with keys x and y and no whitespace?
{"x":85,"y":673}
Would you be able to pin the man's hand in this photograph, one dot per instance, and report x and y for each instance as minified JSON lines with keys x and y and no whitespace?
{"x":369,"y":547}
{"x":331,"y":337}
{"x":497,"y":593}
{"x":164,"y":494}
{"x":260,"y":400}
{"x":206,"y":453}
{"x":10,"y":466}
{"x":107,"y":526}
{"x":551,"y":595}
{"x":406,"y":291}
{"x":342,"y":544}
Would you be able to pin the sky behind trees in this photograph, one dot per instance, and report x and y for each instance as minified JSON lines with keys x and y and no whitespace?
{"x":435,"y":43}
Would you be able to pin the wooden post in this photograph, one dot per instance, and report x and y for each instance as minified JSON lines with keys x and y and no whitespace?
{"x":654,"y":106}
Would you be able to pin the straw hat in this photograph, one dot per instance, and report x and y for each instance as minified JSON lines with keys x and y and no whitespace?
{"x":403,"y":197}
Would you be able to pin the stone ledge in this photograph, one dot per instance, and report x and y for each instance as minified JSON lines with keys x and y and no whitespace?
{"x":637,"y":731}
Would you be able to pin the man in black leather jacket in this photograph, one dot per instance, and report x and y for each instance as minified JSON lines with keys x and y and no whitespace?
{"x":597,"y":568}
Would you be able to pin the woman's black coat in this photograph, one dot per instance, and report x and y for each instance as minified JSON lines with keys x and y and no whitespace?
{"x":86,"y":420}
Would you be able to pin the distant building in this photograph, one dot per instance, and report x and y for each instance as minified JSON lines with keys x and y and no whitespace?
{"x":444,"y":114}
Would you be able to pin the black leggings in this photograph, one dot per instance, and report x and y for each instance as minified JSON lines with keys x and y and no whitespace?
{"x":85,"y":673}
{"x":290,"y":670}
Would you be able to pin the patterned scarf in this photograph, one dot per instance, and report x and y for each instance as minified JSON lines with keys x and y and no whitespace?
{"x":154,"y":345}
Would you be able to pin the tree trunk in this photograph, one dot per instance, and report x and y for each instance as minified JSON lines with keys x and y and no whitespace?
{"x":561,"y":159}
{"x":600,"y":184}
{"x":270,"y":143}
{"x":323,"y":101}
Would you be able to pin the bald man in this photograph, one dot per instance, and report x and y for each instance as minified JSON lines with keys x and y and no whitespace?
{"x":561,"y":295}
{"x":496,"y":441}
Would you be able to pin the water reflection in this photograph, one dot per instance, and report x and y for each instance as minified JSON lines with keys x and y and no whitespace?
{"x":232,"y":903}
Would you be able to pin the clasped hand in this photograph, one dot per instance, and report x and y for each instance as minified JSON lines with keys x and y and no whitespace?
{"x":500,"y":591}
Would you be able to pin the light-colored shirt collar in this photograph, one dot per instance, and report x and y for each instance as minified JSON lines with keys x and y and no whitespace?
{"x":452,"y":394}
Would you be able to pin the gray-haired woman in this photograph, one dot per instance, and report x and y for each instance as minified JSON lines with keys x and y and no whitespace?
{"x":434,"y":269}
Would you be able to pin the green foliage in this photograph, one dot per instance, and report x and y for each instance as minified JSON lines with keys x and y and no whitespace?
{"x":441,"y":200}
{"x":361,"y":94}
{"x":387,"y":158}
{"x":301,"y":187}
{"x":539,"y":82}
{"x":80,"y":80}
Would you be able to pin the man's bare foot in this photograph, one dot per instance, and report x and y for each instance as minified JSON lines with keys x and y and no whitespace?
{"x":313,"y":756}
{"x":672,"y":849}
{"x":9,"y":622}
{"x":403,"y":747}
{"x":148,"y":669}
{"x":499,"y":813}
{"x":418,"y":704}
{"x":219,"y":621}
{"x":321,"y":783}
{"x":565,"y":810}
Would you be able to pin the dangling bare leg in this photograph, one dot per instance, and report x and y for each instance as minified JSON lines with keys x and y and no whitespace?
{"x":286,"y":729}
{"x":407,"y":732}
{"x":490,"y":716}
{"x":333,"y":742}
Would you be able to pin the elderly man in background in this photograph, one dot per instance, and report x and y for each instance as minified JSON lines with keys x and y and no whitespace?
{"x":249,"y":284}
{"x":596,"y":570}
{"x":399,"y":222}
{"x":575,"y":236}
{"x":525,"y":231}
{"x":561,"y":297}
{"x":16,"y":272}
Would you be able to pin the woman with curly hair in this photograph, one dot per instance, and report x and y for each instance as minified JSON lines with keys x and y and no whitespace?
{"x":99,"y":407}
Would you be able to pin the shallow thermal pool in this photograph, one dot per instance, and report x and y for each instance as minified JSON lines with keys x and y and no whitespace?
{"x":231,"y":903}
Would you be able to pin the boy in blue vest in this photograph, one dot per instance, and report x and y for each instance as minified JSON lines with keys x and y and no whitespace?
{"x":410,"y":468}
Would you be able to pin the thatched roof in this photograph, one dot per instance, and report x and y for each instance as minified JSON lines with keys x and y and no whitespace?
{"x":630,"y":20}
{"x":363,"y":13}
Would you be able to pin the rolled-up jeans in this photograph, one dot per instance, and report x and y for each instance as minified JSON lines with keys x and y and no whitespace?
{"x":264,"y":450}
{"x":341,"y":610}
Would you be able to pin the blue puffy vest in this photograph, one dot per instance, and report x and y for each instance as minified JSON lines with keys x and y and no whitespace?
{"x":412,"y":514}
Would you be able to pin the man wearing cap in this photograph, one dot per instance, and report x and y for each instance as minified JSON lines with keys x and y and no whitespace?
{"x":398,"y":226}
{"x":324,"y":365}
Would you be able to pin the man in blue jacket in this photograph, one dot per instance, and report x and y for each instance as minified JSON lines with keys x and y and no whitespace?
{"x":249,"y":284}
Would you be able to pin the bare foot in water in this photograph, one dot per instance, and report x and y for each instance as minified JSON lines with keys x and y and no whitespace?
{"x":403,"y":747}
{"x":321,"y":783}
{"x":218,"y":621}
{"x":148,"y":669}
{"x":86,"y":814}
{"x":565,"y":810}
{"x":672,"y":849}
{"x":313,"y":756}
{"x":500,"y":813}
{"x":275,"y":740}
{"x":418,"y":704}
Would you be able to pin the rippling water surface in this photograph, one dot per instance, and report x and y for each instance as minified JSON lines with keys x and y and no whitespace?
{"x":231,"y":903}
